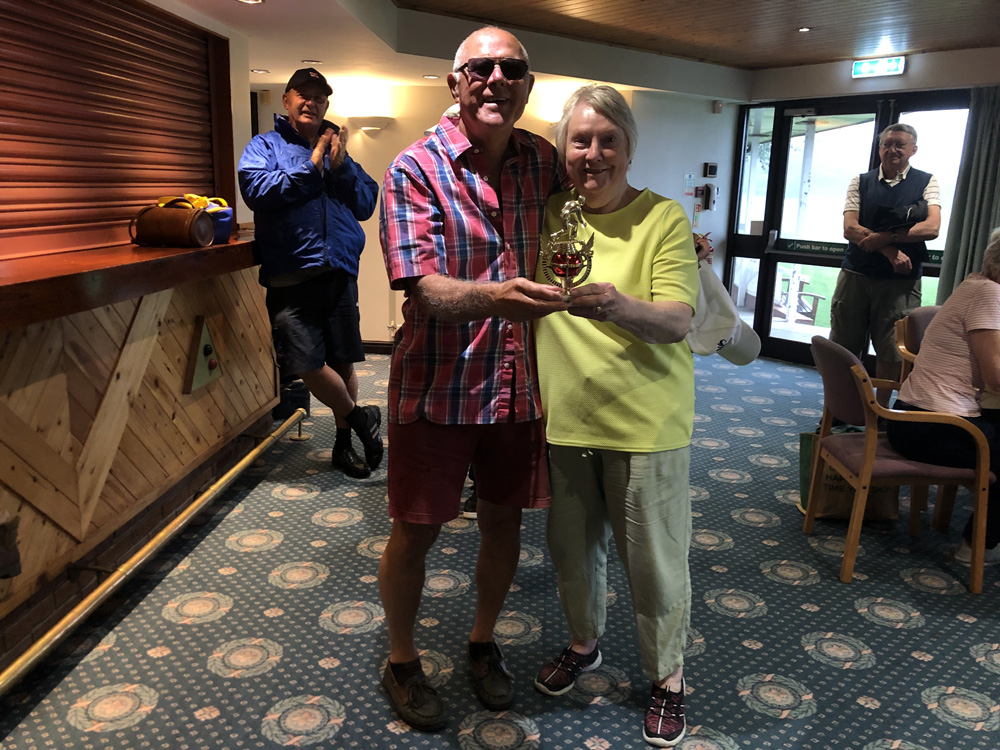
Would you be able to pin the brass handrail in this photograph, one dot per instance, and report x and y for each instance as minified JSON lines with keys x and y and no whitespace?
{"x":41,"y":648}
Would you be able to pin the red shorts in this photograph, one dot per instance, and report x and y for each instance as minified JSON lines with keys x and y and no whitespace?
{"x":428,"y":464}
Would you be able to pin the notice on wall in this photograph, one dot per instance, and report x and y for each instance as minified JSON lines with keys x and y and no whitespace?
{"x":696,"y":219}
{"x":689,"y":184}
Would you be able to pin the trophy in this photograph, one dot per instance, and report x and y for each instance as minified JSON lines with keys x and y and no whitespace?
{"x":566,"y":260}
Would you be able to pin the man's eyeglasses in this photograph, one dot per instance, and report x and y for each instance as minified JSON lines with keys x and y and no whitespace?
{"x":481,"y":68}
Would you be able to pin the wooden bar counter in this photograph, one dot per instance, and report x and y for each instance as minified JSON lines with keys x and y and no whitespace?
{"x":96,"y":351}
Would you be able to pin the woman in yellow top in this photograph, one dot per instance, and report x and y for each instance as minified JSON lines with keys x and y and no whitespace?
{"x":617,"y":382}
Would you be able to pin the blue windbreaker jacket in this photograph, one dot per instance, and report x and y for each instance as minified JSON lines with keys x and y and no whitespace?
{"x":304,"y":220}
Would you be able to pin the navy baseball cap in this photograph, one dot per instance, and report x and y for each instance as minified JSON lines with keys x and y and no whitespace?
{"x":303,"y":76}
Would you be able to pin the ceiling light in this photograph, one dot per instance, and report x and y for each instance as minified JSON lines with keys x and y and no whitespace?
{"x":250,"y":2}
{"x":313,"y":62}
{"x":259,"y":70}
{"x":431,"y":77}
{"x":804,"y":29}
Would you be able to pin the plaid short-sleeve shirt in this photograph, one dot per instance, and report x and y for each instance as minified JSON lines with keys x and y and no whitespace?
{"x":440,"y":215}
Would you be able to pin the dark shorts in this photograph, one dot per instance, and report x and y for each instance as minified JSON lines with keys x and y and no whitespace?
{"x":428,"y":463}
{"x":315,"y":323}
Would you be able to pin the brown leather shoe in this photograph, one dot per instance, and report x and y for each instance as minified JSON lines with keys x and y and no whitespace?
{"x":415,"y":701}
{"x":492,"y":681}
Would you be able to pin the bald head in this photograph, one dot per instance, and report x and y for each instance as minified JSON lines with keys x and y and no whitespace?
{"x":493,"y":32}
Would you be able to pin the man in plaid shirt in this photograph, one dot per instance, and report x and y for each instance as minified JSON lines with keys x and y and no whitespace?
{"x":461,"y":214}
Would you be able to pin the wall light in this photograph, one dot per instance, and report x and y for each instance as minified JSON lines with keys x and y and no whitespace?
{"x":370,"y":124}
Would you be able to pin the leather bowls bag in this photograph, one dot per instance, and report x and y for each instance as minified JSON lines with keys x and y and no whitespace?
{"x":169,"y":226}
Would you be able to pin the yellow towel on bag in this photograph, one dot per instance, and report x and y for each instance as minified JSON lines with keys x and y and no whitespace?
{"x":193,"y":200}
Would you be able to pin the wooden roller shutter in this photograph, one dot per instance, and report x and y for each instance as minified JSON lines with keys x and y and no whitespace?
{"x":106,"y":105}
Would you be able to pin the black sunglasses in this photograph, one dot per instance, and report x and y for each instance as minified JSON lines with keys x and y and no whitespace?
{"x":481,"y":68}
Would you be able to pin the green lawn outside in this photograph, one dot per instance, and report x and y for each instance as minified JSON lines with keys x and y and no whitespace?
{"x":823,"y":279}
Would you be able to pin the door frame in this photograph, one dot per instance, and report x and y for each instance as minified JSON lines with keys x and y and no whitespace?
{"x":768,"y":247}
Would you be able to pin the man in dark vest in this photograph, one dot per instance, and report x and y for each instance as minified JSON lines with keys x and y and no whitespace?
{"x":889,"y":215}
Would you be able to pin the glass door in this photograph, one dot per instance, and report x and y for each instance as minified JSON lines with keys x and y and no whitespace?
{"x":787,"y":238}
{"x":825,"y":151}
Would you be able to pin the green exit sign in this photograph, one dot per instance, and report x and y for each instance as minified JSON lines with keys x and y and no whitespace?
{"x":882,"y":66}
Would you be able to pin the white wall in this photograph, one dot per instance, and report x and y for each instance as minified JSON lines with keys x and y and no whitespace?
{"x":677,"y":134}
{"x":924,"y":72}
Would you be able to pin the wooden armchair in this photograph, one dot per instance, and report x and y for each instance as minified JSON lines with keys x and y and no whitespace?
{"x":864,"y":459}
{"x":909,"y":333}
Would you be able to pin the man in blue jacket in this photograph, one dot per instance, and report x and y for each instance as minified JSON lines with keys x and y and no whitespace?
{"x":308,"y":196}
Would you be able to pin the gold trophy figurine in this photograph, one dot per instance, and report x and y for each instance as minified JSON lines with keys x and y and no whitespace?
{"x":566,"y":261}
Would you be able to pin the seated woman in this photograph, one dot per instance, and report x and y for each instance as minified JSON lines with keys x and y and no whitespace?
{"x":617,"y":383}
{"x":959,"y":358}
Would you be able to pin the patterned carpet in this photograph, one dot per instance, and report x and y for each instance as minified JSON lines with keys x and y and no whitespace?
{"x":262,"y":626}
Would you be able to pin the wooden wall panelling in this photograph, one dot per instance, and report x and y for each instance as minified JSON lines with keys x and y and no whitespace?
{"x":157,"y":385}
{"x":167,"y":369}
{"x":18,"y":359}
{"x":238,"y":343}
{"x":213,"y":398}
{"x":255,"y":338}
{"x":93,"y":351}
{"x":231,"y":342}
{"x":225,"y":392}
{"x":251,"y":298}
{"x":21,"y":477}
{"x":109,"y":423}
{"x":120,"y":369}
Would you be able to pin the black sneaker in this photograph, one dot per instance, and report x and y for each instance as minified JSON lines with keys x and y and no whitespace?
{"x":349,"y":462}
{"x":370,"y":437}
{"x":469,"y":507}
{"x":492,"y":681}
{"x":415,"y":701}
{"x":664,"y":724}
{"x":559,"y":675}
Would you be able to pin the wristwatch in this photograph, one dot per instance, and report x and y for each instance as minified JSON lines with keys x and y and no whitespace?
{"x":893,"y":236}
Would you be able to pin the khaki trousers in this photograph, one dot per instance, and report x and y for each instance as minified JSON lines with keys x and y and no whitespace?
{"x":643,"y":499}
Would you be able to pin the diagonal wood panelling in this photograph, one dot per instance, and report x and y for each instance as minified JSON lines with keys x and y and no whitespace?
{"x":93,"y":422}
{"x":750,"y":34}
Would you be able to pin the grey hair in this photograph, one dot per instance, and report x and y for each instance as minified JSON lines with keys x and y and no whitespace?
{"x":606,"y":101}
{"x":898,"y":127}
{"x":460,"y":54}
{"x":991,"y":257}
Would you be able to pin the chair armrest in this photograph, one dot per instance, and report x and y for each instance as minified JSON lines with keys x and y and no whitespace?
{"x":864,"y":384}
{"x":885,"y":383}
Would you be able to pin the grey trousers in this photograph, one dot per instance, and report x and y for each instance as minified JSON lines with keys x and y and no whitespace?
{"x":643,"y":499}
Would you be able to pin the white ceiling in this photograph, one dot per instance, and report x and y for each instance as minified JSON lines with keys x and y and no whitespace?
{"x":284,"y":33}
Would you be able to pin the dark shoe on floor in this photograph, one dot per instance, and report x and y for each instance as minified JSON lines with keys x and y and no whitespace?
{"x":469,"y":507}
{"x":349,"y":462}
{"x":415,"y":701}
{"x":492,"y":681}
{"x":370,"y":437}
{"x":664,"y":724}
{"x":559,"y":675}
